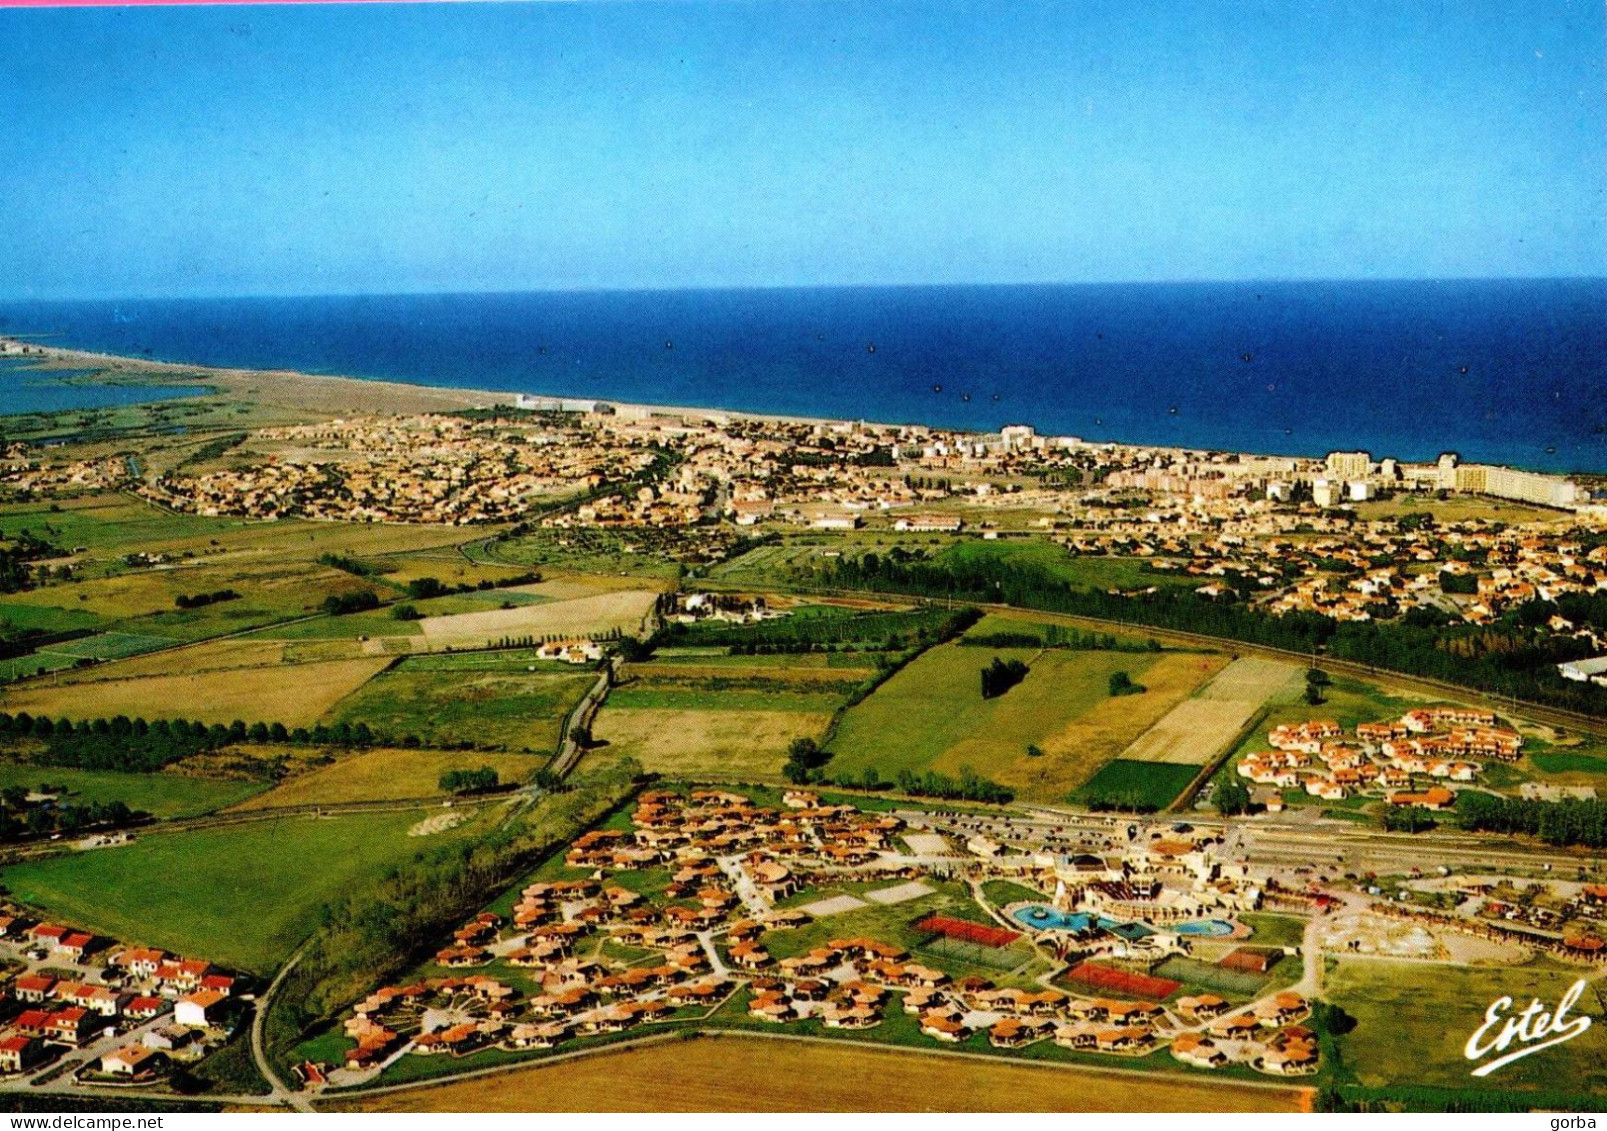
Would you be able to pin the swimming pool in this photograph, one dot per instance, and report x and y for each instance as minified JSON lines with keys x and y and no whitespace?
{"x":1209,"y":928}
{"x":1041,"y":918}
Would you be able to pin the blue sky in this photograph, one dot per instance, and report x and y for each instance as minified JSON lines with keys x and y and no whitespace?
{"x":320,"y":149}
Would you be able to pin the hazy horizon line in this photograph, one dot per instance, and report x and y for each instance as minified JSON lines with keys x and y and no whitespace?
{"x":750,"y":287}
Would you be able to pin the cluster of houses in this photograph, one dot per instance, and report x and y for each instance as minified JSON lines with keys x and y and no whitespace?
{"x":668,"y":918}
{"x":23,"y":473}
{"x":1571,"y":912}
{"x":169,"y":1007}
{"x":724,"y":859}
{"x":431,"y":468}
{"x":1445,"y":744}
{"x":850,"y":983}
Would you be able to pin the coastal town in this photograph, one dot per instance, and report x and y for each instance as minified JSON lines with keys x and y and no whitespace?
{"x":1285,"y":535}
{"x":557,"y":730}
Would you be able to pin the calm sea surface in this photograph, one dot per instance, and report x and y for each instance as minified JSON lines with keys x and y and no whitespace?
{"x":1509,"y":372}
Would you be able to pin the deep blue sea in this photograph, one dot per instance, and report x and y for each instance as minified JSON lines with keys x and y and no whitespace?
{"x":1509,"y":371}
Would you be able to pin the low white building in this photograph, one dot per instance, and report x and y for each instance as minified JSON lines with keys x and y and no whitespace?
{"x":1586,"y":671}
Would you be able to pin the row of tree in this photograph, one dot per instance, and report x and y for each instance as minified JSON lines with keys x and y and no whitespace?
{"x":1555,"y":822}
{"x":138,"y":746}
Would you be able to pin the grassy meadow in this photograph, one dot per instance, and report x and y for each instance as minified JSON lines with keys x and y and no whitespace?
{"x":244,"y":896}
{"x":513,"y":710}
{"x":1422,"y":1015}
{"x":931,"y":715}
{"x":166,"y":794}
{"x":723,"y":716}
{"x":387,"y":774}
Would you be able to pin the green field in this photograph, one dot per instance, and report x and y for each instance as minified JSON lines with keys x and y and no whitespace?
{"x":1146,"y":785}
{"x":713,"y":699}
{"x":503,"y":660}
{"x":1273,"y":930}
{"x":378,"y":622}
{"x":1411,"y":1014}
{"x":46,"y":619}
{"x":34,"y":663}
{"x":159,"y":794}
{"x":734,"y":683}
{"x":244,"y":896}
{"x":1569,"y":762}
{"x":112,"y":521}
{"x":112,"y":646}
{"x":495,"y":710}
{"x":931,"y":714}
{"x":1085,"y":572}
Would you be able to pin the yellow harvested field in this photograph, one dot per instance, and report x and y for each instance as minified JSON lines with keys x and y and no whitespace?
{"x":582,"y":616}
{"x":1192,"y":733}
{"x":388,"y":774}
{"x":293,"y":694}
{"x":1199,"y":729}
{"x":760,"y":1075}
{"x":713,"y":743}
{"x":1254,"y":681}
{"x":570,"y":586}
{"x":215,"y":655}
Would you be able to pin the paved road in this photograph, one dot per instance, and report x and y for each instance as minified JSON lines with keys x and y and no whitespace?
{"x":569,"y":747}
{"x":259,"y":1053}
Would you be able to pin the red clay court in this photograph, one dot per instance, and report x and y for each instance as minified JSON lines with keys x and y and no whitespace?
{"x":1123,"y":982}
{"x":978,"y":933}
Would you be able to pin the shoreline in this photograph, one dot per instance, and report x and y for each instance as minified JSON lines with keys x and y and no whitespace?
{"x":270,"y":386}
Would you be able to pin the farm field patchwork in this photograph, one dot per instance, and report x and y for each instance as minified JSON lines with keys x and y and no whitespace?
{"x":46,"y":618}
{"x":145,"y":601}
{"x":931,"y":715}
{"x":730,"y":717}
{"x":217,"y":655}
{"x":689,"y":743}
{"x":1137,"y":785}
{"x":598,"y":614}
{"x":243,"y":895}
{"x":1200,"y":728}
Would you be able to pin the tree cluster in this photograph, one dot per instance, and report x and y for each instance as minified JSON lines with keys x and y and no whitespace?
{"x":202,"y":600}
{"x":342,"y":604}
{"x":1001,"y":675}
{"x":461,"y":782}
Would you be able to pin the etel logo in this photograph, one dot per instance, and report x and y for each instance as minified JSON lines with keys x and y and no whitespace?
{"x":1535,"y":1029}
